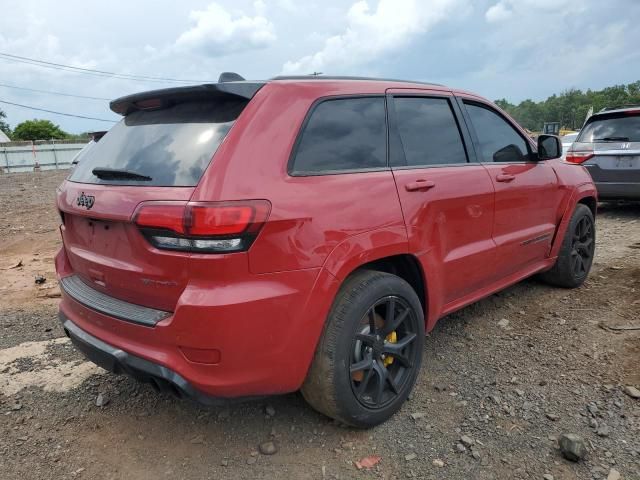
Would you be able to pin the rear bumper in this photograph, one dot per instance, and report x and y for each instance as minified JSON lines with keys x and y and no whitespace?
{"x":614,"y":190}
{"x":118,"y":361}
{"x":252,"y":337}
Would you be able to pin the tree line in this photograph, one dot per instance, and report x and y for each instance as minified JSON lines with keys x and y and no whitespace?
{"x":37,"y":130}
{"x":570,"y":108}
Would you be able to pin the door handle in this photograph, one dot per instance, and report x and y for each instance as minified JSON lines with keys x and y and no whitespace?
{"x":420,"y":184}
{"x":505,"y":177}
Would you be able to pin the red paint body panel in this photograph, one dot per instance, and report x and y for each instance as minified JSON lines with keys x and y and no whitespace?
{"x":264,"y":309}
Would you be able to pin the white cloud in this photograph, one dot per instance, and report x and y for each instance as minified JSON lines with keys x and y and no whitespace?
{"x":218,"y":32}
{"x":498,"y":13}
{"x":371,"y":33}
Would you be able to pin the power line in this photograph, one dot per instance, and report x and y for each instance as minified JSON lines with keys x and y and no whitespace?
{"x":52,"y":93}
{"x":90,"y":71}
{"x":57,"y":113}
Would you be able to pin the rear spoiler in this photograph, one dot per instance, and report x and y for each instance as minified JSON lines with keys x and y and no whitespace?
{"x":154,"y":99}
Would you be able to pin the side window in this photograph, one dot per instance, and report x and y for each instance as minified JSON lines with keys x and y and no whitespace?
{"x":343,"y":134}
{"x":428,"y":131}
{"x":499,"y":141}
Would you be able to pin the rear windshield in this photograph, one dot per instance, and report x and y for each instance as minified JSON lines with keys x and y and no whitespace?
{"x":168,"y":147}
{"x":612,"y":128}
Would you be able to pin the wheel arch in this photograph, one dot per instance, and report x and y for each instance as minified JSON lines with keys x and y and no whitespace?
{"x":584,"y":194}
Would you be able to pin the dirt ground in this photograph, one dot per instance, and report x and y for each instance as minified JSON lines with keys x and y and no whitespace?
{"x":556,"y":365}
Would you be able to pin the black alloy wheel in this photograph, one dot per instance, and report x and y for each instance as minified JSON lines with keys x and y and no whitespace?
{"x":583,"y":246}
{"x":383,"y":352}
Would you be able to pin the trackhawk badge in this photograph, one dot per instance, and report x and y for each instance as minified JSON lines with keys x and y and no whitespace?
{"x":86,"y":201}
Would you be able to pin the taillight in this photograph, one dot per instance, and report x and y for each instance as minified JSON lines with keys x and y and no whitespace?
{"x":578,"y":157}
{"x":207,"y":227}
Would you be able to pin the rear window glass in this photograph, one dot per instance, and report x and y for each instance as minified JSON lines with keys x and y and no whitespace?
{"x":429,"y":132}
{"x":618,"y":127}
{"x":171,"y":147}
{"x":343,"y":134}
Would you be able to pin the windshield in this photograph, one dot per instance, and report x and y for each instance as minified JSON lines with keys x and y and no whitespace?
{"x":168,"y":147}
{"x":619,"y":127}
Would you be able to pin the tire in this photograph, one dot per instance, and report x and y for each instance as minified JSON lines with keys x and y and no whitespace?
{"x":578,"y":245}
{"x":350,"y":362}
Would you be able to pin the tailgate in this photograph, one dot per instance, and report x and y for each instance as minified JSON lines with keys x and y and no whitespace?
{"x":108,"y":252}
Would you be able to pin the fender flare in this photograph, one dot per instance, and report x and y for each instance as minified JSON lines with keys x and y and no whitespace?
{"x":584,"y":190}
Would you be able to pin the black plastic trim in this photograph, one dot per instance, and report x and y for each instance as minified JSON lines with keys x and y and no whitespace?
{"x":118,"y":361}
{"x":98,"y":301}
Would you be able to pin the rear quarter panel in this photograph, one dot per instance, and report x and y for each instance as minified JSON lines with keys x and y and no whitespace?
{"x":310,"y":215}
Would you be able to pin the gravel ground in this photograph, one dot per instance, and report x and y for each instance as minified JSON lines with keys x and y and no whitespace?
{"x":502,"y":380}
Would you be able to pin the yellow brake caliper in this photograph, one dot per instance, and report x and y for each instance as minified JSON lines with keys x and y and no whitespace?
{"x":391,"y":338}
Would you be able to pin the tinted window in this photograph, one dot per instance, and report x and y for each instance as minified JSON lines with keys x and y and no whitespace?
{"x":173,"y":146}
{"x":343,"y":134}
{"x":617,"y":127}
{"x":428,"y":131}
{"x":499,"y":141}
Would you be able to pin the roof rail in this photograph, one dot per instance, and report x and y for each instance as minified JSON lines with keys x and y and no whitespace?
{"x":329,"y":77}
{"x":620,"y":107}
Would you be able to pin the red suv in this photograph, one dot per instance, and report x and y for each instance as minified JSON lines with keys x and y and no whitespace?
{"x":242,"y":239}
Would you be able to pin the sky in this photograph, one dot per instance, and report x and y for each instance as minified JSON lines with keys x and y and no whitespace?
{"x":513,"y":49}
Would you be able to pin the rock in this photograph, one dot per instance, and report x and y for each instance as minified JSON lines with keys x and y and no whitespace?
{"x":418,"y":415}
{"x":269,"y":410}
{"x":410,"y":456}
{"x":519,"y":392}
{"x":614,"y":474}
{"x":251,"y":460}
{"x":552,"y":416}
{"x":39,"y":280}
{"x":461,"y":448}
{"x":603,"y":430}
{"x":440,"y":387}
{"x":438,"y":463}
{"x":633,"y":392}
{"x":547,"y":476}
{"x":467,"y":441}
{"x":101,"y":400}
{"x":16,"y":406}
{"x":268,"y":448}
{"x":224,"y":462}
{"x":504,"y":323}
{"x":572,"y":447}
{"x":198,"y":439}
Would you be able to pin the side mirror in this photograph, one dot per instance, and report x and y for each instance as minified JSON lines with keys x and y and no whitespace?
{"x":549,"y":147}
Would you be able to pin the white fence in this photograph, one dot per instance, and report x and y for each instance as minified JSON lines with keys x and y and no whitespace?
{"x":48,"y":155}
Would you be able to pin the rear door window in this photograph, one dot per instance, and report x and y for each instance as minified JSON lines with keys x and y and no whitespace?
{"x":343,"y":134}
{"x":612,"y":128}
{"x":170,"y":146}
{"x":498,"y":140}
{"x":428,"y":131}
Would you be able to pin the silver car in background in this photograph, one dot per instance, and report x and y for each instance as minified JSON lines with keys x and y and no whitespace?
{"x":609,"y":147}
{"x":567,"y":140}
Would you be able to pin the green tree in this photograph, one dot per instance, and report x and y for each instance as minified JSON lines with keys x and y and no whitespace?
{"x":4,"y":126}
{"x":571,"y":106}
{"x":38,"y":130}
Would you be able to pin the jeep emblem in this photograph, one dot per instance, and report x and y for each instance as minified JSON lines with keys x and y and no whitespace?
{"x":86,"y":201}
